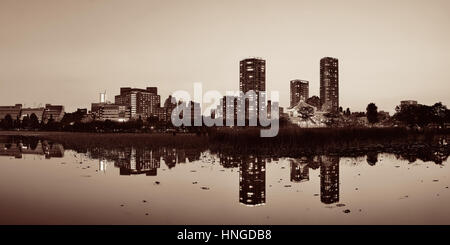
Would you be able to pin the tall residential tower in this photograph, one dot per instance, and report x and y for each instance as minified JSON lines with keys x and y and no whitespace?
{"x":252,"y":77}
{"x":299,"y":91}
{"x":329,"y":84}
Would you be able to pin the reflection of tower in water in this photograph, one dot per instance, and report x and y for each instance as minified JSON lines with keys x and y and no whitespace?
{"x":252,"y":181}
{"x":139,"y":161}
{"x":170,"y":157}
{"x":329,"y":179}
{"x":299,"y":170}
{"x":102,"y":165}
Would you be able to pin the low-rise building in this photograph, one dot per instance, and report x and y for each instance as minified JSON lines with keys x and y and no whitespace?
{"x":28,"y":112}
{"x":408,"y":102}
{"x":55,"y":112}
{"x":13,"y":111}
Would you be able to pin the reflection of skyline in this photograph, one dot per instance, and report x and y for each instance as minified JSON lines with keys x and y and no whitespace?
{"x":252,"y":168}
{"x":139,"y":161}
{"x":17,"y":147}
{"x":329,"y":175}
{"x":135,"y":161}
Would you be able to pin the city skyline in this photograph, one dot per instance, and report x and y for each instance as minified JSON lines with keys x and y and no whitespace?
{"x":66,"y":53}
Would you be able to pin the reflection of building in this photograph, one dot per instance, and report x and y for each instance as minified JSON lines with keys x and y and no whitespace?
{"x":22,"y":146}
{"x":329,"y":179}
{"x":132,"y":161}
{"x":102,"y":163}
{"x":299,"y":170}
{"x":252,"y":181}
{"x":170,"y":157}
{"x":299,"y":91}
{"x":139,"y":161}
{"x":329,"y":84}
{"x":229,"y":161}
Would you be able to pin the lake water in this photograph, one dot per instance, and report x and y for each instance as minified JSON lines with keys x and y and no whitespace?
{"x":41,"y":182}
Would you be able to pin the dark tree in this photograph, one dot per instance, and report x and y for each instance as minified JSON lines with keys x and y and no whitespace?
{"x":152,"y":120}
{"x":34,"y":121}
{"x":139,"y":123}
{"x":372,"y":113}
{"x":17,"y":123}
{"x":25,"y":121}
{"x":347,"y":112}
{"x":421,"y":115}
{"x":439,"y":113}
{"x":7,"y":122}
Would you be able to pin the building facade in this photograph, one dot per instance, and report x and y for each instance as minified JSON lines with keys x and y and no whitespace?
{"x":252,"y":77}
{"x":142,"y":102}
{"x":299,"y":90}
{"x":169,"y":106}
{"x":229,"y":110}
{"x":329,"y":84}
{"x":13,"y":111}
{"x":54,"y":112}
{"x":113,"y":112}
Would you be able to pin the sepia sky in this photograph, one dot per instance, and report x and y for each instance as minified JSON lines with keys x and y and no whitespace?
{"x":68,"y":51}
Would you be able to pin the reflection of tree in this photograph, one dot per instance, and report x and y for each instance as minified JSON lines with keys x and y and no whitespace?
{"x":18,"y":145}
{"x":34,"y":121}
{"x":32,"y":143}
{"x":372,"y":158}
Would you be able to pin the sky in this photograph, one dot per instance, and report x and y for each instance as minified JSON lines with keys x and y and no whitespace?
{"x":68,"y":51}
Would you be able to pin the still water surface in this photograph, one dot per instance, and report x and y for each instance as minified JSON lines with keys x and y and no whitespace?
{"x":43,"y":183}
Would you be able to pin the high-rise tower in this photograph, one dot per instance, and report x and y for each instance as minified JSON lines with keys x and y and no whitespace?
{"x":299,"y":91}
{"x":329,"y":84}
